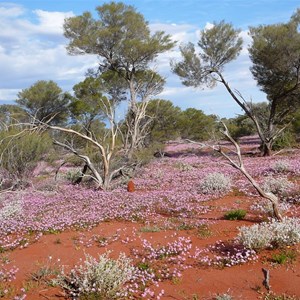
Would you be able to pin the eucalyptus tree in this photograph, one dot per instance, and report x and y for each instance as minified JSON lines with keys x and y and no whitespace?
{"x":276,"y":64}
{"x":46,"y":101}
{"x":275,"y":53}
{"x":122,"y":40}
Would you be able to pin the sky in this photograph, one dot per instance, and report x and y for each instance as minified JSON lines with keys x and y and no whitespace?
{"x":32,"y":45}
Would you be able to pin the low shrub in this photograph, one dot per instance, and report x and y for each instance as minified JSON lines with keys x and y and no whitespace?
{"x":97,"y":279}
{"x":19,"y":156}
{"x":284,"y":257}
{"x":277,"y":186}
{"x":215,"y":183}
{"x":281,"y":166}
{"x":237,"y":214}
{"x":223,"y":297}
{"x":272,"y":234}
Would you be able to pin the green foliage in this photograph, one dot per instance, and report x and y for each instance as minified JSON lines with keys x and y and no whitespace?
{"x":219,"y":45}
{"x":20,"y":154}
{"x":240,"y":126}
{"x":204,"y":231}
{"x":11,"y":114}
{"x":284,"y":257}
{"x":196,"y":125}
{"x":296,"y":123}
{"x":165,"y":120}
{"x":145,"y":155}
{"x":45,"y":101}
{"x":275,"y":55}
{"x":285,"y":140}
{"x":237,"y":214}
{"x":121,"y":37}
{"x":88,"y":103}
{"x":125,"y":46}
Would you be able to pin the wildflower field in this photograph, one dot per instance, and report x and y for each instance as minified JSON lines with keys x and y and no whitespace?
{"x":194,"y":228}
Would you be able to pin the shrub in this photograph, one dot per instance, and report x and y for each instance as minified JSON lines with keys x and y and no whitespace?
{"x":97,"y":279}
{"x":73,"y":175}
{"x":20,"y":154}
{"x":237,"y":214}
{"x":183,"y":167}
{"x":265,"y":206}
{"x":281,"y":166}
{"x":223,"y":297}
{"x":283,"y":257}
{"x":277,"y":186}
{"x":11,"y":209}
{"x":286,"y":140}
{"x":270,"y":234}
{"x":215,"y":183}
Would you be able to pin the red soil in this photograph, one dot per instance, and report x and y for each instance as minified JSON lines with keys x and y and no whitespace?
{"x":241,"y":282}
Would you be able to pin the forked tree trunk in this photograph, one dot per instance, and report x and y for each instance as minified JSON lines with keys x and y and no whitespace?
{"x":266,"y":149}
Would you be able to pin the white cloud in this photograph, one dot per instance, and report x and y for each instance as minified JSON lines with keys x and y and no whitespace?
{"x":32,"y":47}
{"x":10,"y":10}
{"x":51,"y":22}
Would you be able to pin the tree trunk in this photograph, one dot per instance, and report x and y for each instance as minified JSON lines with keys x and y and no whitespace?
{"x":266,"y":149}
{"x":83,"y":172}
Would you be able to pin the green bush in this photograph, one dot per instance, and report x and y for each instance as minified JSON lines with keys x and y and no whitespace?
{"x":20,"y":154}
{"x":284,"y":257}
{"x":237,"y":214}
{"x":286,"y":140}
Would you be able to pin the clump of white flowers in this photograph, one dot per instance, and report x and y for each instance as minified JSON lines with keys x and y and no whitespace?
{"x":281,"y":166}
{"x":270,"y":234}
{"x":102,"y":278}
{"x":277,"y":186}
{"x":215,"y":183}
{"x":11,"y":209}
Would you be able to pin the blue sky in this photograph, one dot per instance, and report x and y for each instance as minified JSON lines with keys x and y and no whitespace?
{"x":32,"y":46}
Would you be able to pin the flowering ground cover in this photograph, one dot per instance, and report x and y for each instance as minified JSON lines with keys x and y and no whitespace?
{"x":172,"y":230}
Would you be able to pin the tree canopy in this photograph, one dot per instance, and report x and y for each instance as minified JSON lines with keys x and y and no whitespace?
{"x":45,"y":101}
{"x":275,"y":53}
{"x":122,"y":40}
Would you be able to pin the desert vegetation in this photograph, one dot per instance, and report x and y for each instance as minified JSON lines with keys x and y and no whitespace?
{"x":213,"y":207}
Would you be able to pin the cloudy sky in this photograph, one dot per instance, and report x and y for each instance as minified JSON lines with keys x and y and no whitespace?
{"x":32,"y":45}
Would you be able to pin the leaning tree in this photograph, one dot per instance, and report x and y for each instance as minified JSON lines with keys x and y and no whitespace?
{"x":275,"y":54}
{"x":121,"y":38}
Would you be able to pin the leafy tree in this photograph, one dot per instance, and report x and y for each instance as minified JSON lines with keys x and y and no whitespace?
{"x":240,"y":126}
{"x":275,"y":54}
{"x":45,"y":101}
{"x":196,"y":125}
{"x":165,"y":120}
{"x":122,"y":40}
{"x":275,"y":51}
